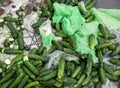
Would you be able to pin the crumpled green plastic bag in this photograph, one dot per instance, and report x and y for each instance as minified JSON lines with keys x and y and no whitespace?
{"x":82,"y":38}
{"x":111,"y":12}
{"x":111,"y":21}
{"x":46,"y":33}
{"x":69,"y":16}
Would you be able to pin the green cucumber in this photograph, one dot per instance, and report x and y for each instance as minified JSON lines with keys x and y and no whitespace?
{"x":49,"y":76}
{"x":33,"y":51}
{"x":69,"y":80}
{"x":37,"y":57}
{"x":32,"y":84}
{"x":92,"y":41}
{"x":6,"y":84}
{"x":28,"y":72}
{"x":90,"y":5}
{"x":16,"y":82}
{"x":23,"y":82}
{"x":61,"y":68}
{"x":104,"y":45}
{"x":87,"y":14}
{"x":88,"y":68}
{"x":80,"y":81}
{"x":90,"y":18}
{"x":20,"y":40}
{"x":10,"y":19}
{"x":111,"y":77}
{"x":17,"y":58}
{"x":103,"y":30}
{"x":12,"y":29}
{"x":12,"y":51}
{"x":31,"y":67}
{"x":7,"y":77}
{"x":86,"y":81}
{"x":102,"y":75}
{"x":76,"y":71}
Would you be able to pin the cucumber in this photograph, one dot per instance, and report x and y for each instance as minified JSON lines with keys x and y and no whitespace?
{"x":12,"y":51}
{"x":28,"y":72}
{"x":57,"y":26}
{"x":82,"y":70}
{"x":33,"y":51}
{"x":102,"y":75}
{"x":23,"y":82}
{"x":31,"y":67}
{"x":10,"y":19}
{"x":37,"y":24}
{"x":86,"y":81}
{"x":17,"y":58}
{"x":49,"y":76}
{"x":87,"y":2}
{"x":95,"y":79}
{"x":68,"y":50}
{"x":52,"y":48}
{"x":46,"y":72}
{"x":48,"y":83}
{"x":32,"y":84}
{"x":76,"y":71}
{"x":115,"y":61}
{"x":69,"y":80}
{"x":116,"y":51}
{"x":2,"y":64}
{"x":87,"y":14}
{"x":80,"y":81}
{"x":90,"y":18}
{"x":66,"y":44}
{"x":13,"y":31}
{"x":40,"y":49}
{"x":98,"y":85}
{"x":111,"y":77}
{"x":20,"y":40}
{"x":111,"y":36}
{"x":37,"y":63}
{"x":5,"y":85}
{"x":57,"y":45}
{"x":117,"y":72}
{"x":61,"y":68}
{"x":90,"y":5}
{"x":67,"y":68}
{"x":88,"y":68}
{"x":108,"y":69}
{"x":15,"y":83}
{"x":94,"y":73}
{"x":6,"y":43}
{"x":60,"y":34}
{"x":92,"y":41}
{"x":112,"y":47}
{"x":103,"y":30}
{"x":81,"y":9}
{"x":37,"y":57}
{"x":104,"y":45}
{"x":7,"y":77}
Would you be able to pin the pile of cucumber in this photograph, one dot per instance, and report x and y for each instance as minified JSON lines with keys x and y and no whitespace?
{"x":28,"y":70}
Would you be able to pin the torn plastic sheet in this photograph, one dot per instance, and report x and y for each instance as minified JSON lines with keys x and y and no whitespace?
{"x":55,"y":57}
{"x":46,"y":33}
{"x":69,"y":16}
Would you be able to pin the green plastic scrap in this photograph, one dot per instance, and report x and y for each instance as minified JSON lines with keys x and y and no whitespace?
{"x":46,"y":33}
{"x":69,"y":16}
{"x":110,"y":20}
